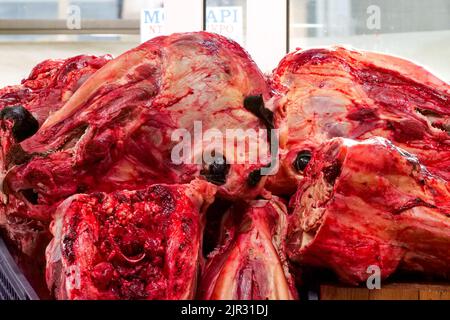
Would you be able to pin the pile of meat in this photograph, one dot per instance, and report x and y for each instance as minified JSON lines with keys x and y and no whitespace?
{"x":90,"y":192}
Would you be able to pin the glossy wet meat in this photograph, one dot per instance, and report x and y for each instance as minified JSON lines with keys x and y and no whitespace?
{"x":370,"y":203}
{"x":23,"y":108}
{"x":116,"y":131}
{"x":50,"y":84}
{"x":327,"y":93}
{"x":143,"y":244}
{"x":97,"y":139}
{"x":250,"y":261}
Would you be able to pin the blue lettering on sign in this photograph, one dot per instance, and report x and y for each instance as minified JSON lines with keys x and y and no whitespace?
{"x":153,"y":16}
{"x":224,"y":16}
{"x":211,"y":17}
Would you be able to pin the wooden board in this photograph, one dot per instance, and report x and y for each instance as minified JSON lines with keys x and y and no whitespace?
{"x":394,"y":291}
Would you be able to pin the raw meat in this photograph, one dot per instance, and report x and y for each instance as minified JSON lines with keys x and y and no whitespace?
{"x":370,"y":203}
{"x":326,"y":93}
{"x":91,"y":144}
{"x":115,"y":132}
{"x":50,"y":84}
{"x":142,"y":244}
{"x":250,"y":262}
{"x":22,"y":109}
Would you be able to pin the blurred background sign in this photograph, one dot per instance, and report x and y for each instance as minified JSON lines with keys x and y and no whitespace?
{"x":34,"y":30}
{"x":152,"y":23}
{"x":227,"y":21}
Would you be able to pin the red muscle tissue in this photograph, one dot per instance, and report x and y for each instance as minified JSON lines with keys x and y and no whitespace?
{"x":250,"y":261}
{"x":141,"y":244}
{"x":116,"y":131}
{"x":115,"y":162}
{"x":327,"y":93}
{"x":370,"y":203}
{"x":23,"y":108}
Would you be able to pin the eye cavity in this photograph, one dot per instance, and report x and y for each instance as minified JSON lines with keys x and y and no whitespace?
{"x":301,"y":161}
{"x":25,"y":125}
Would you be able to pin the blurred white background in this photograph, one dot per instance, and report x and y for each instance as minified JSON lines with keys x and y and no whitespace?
{"x":35,"y":30}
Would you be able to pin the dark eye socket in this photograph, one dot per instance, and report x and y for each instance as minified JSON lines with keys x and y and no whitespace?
{"x":332,"y":172}
{"x":217,"y":171}
{"x":25,"y":125}
{"x":301,"y":161}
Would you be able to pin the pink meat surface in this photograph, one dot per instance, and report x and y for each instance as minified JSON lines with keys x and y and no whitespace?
{"x":327,"y":93}
{"x":23,"y":108}
{"x":250,"y":262}
{"x":116,"y":131}
{"x":370,"y":203}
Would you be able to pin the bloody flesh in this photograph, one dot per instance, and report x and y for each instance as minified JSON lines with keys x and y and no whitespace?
{"x":116,"y":131}
{"x":250,"y":261}
{"x":141,"y":244}
{"x":23,"y":108}
{"x":327,"y":93}
{"x":113,"y":153}
{"x":369,"y":203}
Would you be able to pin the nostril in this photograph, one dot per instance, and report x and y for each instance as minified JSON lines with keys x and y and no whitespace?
{"x":217,"y":171}
{"x":25,"y":125}
{"x":332,"y":172}
{"x":30,"y":195}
